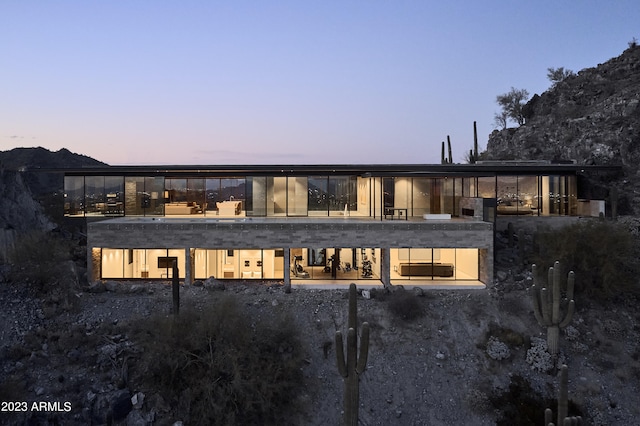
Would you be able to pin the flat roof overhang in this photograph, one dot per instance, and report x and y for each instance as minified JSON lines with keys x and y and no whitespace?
{"x":493,"y":168}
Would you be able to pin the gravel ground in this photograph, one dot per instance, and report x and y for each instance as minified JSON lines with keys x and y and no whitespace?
{"x":463,"y":360}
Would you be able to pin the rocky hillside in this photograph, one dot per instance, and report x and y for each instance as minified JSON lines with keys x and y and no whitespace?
{"x":19,"y":212}
{"x":592,"y":117}
{"x":30,"y":160}
{"x":27,"y":194}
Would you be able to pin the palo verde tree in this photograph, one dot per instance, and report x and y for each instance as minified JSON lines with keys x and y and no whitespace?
{"x":511,"y":104}
{"x":558,"y":75}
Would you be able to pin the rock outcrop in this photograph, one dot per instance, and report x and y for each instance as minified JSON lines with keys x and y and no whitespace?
{"x":19,"y":212}
{"x":592,"y":117}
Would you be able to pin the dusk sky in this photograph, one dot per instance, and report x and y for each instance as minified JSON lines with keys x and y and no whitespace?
{"x":284,"y":82}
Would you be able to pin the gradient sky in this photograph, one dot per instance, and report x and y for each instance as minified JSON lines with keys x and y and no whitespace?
{"x":283,"y":82}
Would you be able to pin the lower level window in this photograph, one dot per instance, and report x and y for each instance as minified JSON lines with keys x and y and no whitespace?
{"x":434,"y":264}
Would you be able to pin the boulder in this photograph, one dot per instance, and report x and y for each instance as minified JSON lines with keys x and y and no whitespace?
{"x":212,"y":283}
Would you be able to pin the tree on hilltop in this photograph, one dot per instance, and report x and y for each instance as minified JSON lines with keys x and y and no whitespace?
{"x":511,"y":104}
{"x":557,"y":75}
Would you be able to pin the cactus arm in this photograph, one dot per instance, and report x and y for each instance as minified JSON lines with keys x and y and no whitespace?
{"x":548,"y":417}
{"x":571,"y":282}
{"x":342,"y":367}
{"x":554,"y":284}
{"x":569,"y":316}
{"x":545,"y":297}
{"x":535,"y":299}
{"x":353,"y":308}
{"x":364,"y":349}
{"x":535,"y":295}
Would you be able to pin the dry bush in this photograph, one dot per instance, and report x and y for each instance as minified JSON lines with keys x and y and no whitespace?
{"x":42,"y":262}
{"x":223,"y":366}
{"x":38,"y":259}
{"x":603,"y":255}
{"x":404,"y":305}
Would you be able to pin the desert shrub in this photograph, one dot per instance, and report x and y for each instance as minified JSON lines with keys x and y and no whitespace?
{"x":603,"y":256}
{"x":523,"y":405}
{"x":230,"y":368}
{"x":38,"y":259}
{"x":405,"y":305}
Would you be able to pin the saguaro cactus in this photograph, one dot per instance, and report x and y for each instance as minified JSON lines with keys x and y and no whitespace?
{"x":473,"y":153}
{"x":443,"y":159}
{"x":546,"y":304}
{"x":563,"y":403}
{"x":354,"y":365}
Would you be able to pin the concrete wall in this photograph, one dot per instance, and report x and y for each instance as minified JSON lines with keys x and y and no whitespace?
{"x":474,"y":204}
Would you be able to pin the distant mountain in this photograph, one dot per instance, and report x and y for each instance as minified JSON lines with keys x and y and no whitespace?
{"x":30,"y":160}
{"x":43,"y":158}
{"x":592,"y":117}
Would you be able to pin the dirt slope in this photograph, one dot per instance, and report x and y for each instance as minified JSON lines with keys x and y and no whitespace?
{"x":432,"y":370}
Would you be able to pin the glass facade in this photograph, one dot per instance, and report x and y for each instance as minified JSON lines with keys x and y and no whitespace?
{"x":239,"y":264}
{"x":221,"y":263}
{"x":74,"y":195}
{"x":314,"y":196}
{"x":141,"y":263}
{"x":429,"y":264}
{"x":316,"y":263}
{"x":321,"y":263}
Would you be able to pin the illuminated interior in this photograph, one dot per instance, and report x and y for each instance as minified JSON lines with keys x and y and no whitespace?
{"x":141,"y":263}
{"x":311,"y":196}
{"x":239,"y":264}
{"x":157,"y":263}
{"x":319,"y":263}
{"x":429,"y":264}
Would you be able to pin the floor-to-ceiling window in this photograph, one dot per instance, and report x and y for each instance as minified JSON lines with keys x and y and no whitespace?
{"x":343,"y":195}
{"x":318,"y":199}
{"x":155,"y":193}
{"x":297,"y":196}
{"x":507,"y":197}
{"x":487,"y":187}
{"x":429,"y":264}
{"x":141,"y":263}
{"x":239,"y":263}
{"x":421,"y":196}
{"x":559,"y":195}
{"x":330,"y":263}
{"x":74,"y":195}
{"x":185,"y":196}
{"x":94,"y":195}
{"x":469,"y":187}
{"x":114,"y":195}
{"x":257,"y":194}
{"x":528,"y":197}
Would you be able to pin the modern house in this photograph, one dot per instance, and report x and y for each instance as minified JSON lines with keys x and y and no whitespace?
{"x":312,"y":225}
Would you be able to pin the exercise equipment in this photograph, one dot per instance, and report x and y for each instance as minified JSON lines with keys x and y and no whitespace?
{"x":297,"y":269}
